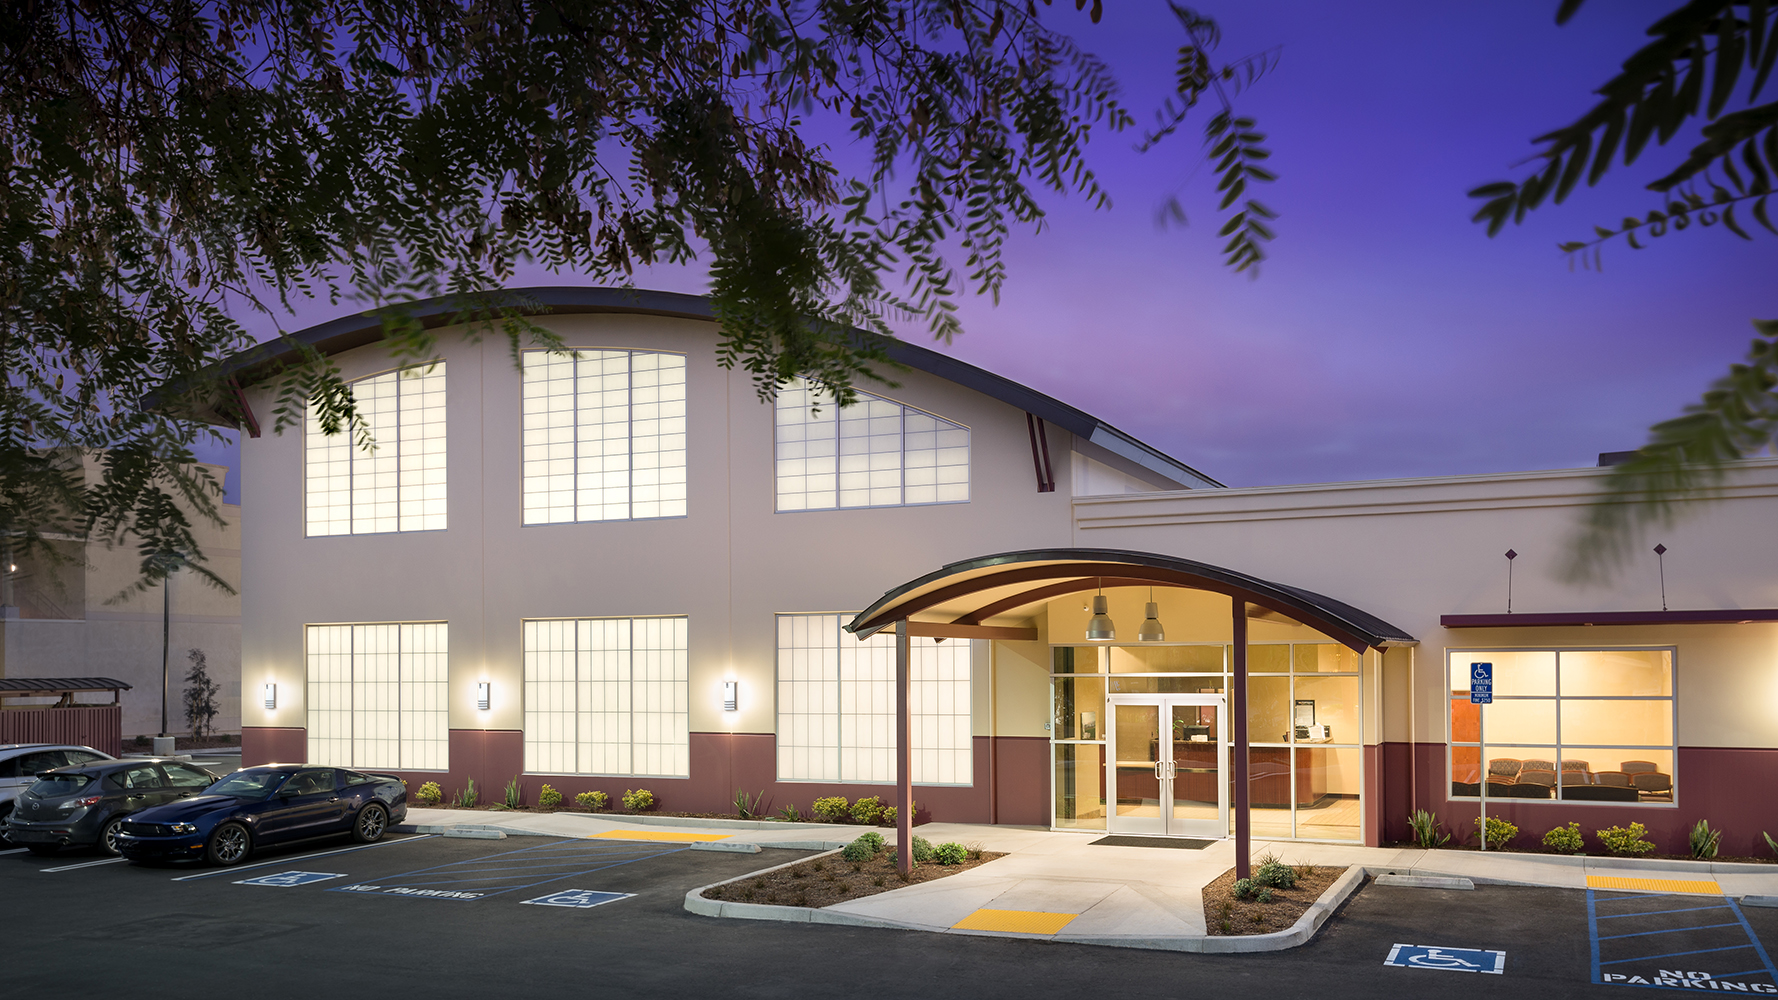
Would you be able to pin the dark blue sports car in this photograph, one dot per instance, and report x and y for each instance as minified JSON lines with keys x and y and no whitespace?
{"x":259,"y":806}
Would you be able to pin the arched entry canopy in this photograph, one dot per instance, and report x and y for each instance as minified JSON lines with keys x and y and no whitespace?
{"x":960,"y":599}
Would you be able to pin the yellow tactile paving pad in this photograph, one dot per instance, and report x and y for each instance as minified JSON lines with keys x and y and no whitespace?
{"x":678,"y":838}
{"x":1015,"y":921}
{"x":1654,"y":884}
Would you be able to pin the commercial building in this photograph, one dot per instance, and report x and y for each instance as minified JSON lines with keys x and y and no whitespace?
{"x":625,"y":569}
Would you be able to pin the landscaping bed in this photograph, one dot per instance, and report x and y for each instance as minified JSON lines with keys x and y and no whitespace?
{"x":1225,"y":915}
{"x":831,"y":879}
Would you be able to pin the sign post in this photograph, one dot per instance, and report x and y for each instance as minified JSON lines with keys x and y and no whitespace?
{"x":1481,"y":692}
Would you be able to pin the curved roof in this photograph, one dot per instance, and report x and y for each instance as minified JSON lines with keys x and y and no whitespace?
{"x":971,"y":591}
{"x":361,"y":329}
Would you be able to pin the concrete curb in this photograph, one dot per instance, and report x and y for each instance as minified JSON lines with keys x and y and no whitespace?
{"x":1425,"y":882}
{"x":1297,"y":934}
{"x":1759,"y":900}
{"x":726,"y":846}
{"x":702,"y":823}
{"x":1699,"y":868}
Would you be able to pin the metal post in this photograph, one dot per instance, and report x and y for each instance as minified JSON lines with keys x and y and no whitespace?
{"x":166,"y":630}
{"x":904,"y":756}
{"x":1238,"y":703}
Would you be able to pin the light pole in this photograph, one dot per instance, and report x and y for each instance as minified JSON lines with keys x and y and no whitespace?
{"x":169,"y":562}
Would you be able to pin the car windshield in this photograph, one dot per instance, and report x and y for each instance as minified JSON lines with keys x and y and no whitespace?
{"x":247,"y":784}
{"x":55,"y":786}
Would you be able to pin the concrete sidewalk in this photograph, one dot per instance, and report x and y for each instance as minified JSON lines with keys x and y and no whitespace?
{"x":1132,"y":897}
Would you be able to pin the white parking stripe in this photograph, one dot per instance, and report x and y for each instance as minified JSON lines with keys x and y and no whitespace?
{"x":84,"y":864}
{"x":302,"y":857}
{"x":16,"y":850}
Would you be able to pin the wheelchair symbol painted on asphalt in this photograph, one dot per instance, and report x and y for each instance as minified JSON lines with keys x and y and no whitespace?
{"x":579,"y":899}
{"x":1419,"y":956}
{"x":288,"y":879}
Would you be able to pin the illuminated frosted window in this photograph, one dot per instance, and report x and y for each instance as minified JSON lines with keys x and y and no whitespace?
{"x":874,"y":453}
{"x":399,"y":483}
{"x":604,"y":436}
{"x":836,"y":705}
{"x":607,"y":696}
{"x":378,"y":696}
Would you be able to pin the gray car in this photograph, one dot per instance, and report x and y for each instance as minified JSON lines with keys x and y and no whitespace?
{"x":83,"y":806}
{"x":20,"y":763}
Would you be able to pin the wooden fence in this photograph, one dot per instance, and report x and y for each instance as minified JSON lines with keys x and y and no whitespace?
{"x":96,"y":726}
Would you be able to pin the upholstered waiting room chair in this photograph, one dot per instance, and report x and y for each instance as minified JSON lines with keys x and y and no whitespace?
{"x":1505,"y":767}
{"x":1652,"y":782}
{"x":1540,"y":776}
{"x":1577,"y":765}
{"x":1538,"y":765}
{"x":1618,"y":779}
{"x":1638,"y":766}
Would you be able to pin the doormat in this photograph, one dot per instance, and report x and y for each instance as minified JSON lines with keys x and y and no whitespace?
{"x":1182,"y":843}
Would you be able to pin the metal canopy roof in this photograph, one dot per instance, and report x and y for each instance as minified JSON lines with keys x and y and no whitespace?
{"x":969,"y":592}
{"x":361,"y":329}
{"x":44,"y":686}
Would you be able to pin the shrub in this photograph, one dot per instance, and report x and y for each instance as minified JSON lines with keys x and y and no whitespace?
{"x":789,"y":814}
{"x":1264,"y":894}
{"x":548,"y":797}
{"x":468,"y":797}
{"x":867,"y":811}
{"x":1243,"y":888}
{"x":1499,"y":832}
{"x":429,"y":794}
{"x":1426,"y":830}
{"x":515,"y":793}
{"x":922,"y":850}
{"x":1272,"y":872}
{"x":750,"y":806}
{"x":893,"y":813}
{"x":950,"y":853}
{"x":871,"y":837}
{"x":596,"y":801}
{"x":1566,"y":839}
{"x":858,"y":851}
{"x":1705,"y":841}
{"x":831,"y":809}
{"x":1773,"y":844}
{"x":640,"y":800}
{"x":1619,"y":840}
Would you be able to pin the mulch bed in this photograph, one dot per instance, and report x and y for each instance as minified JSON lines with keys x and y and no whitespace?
{"x":1224,"y":915}
{"x":1405,"y":845}
{"x":829,"y":880}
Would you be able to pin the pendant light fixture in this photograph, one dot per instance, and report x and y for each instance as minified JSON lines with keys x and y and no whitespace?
{"x":1100,"y":627}
{"x":1151,"y":626}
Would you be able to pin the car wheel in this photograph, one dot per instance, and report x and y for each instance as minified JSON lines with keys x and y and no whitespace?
{"x":229,"y":845}
{"x":43,"y":850}
{"x":371,"y":824}
{"x":108,"y":836}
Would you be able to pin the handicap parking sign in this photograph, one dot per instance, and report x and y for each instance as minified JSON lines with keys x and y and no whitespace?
{"x":579,"y":899}
{"x":1420,"y":956}
{"x":1481,"y":683}
{"x":288,"y":879}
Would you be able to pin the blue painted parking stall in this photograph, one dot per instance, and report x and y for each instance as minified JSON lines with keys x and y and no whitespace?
{"x":1671,"y":941}
{"x":514,"y":871}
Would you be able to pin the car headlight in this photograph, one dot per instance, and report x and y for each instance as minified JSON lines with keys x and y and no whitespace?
{"x":185,"y":828}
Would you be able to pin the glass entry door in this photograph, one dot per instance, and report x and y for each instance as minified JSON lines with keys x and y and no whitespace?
{"x":1167,"y":765}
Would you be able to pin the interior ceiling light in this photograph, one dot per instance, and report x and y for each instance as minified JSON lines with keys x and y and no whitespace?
{"x":1100,"y":627}
{"x":1151,"y":630}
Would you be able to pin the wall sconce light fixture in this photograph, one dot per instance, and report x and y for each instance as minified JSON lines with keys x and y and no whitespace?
{"x":482,"y":695}
{"x":729,"y":703}
{"x":271,"y":695}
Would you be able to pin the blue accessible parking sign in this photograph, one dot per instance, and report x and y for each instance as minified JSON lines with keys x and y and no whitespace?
{"x":579,"y":899}
{"x":1420,"y":956}
{"x":1481,"y":683}
{"x":287,"y":879}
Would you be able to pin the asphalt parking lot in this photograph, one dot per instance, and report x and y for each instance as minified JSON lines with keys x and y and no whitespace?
{"x":561,"y":917}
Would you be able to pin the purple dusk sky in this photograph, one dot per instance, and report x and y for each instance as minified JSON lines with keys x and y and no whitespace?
{"x":1387,"y":335}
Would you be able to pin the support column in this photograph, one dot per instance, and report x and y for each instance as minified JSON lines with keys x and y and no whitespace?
{"x":1238,"y":708}
{"x":904,"y":755}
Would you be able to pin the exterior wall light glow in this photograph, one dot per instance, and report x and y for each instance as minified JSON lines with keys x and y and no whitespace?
{"x":482,"y":695}
{"x":729,"y":703}
{"x":271,"y":696}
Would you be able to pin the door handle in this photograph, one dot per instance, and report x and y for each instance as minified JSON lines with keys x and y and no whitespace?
{"x":1160,"y":769}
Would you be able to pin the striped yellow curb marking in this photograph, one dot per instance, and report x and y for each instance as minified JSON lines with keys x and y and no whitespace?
{"x":677,"y":838}
{"x":1016,"y":921}
{"x":1654,"y":884}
